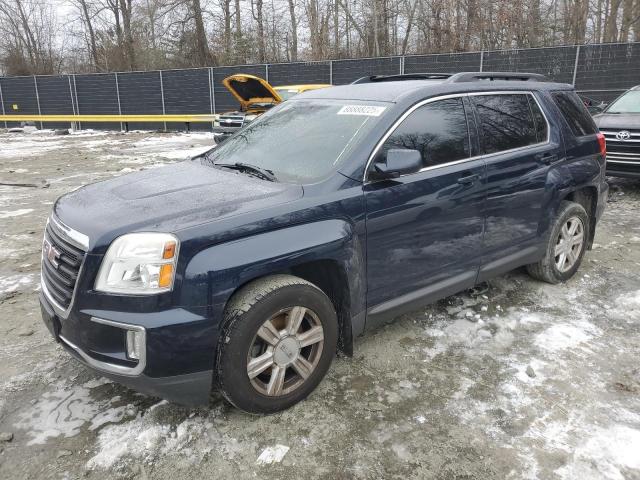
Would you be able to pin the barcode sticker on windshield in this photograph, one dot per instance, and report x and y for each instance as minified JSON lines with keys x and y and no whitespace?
{"x":368,"y":110}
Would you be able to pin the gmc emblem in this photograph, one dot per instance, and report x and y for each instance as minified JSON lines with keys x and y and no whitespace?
{"x":52,"y":253}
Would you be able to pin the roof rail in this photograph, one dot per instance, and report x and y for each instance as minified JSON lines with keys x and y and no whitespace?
{"x":403,"y":76}
{"x":492,"y":76}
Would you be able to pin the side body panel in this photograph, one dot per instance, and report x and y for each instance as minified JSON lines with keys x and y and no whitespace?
{"x":424,"y":238}
{"x":582,"y":169}
{"x":516,"y":208}
{"x":575,"y":164}
{"x":331,"y":232}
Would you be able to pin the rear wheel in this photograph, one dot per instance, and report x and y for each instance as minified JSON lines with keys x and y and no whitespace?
{"x":566,"y":246}
{"x":279,"y":339}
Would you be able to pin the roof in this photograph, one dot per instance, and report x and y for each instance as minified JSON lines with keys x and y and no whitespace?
{"x":395,"y":91}
{"x":382,"y":92}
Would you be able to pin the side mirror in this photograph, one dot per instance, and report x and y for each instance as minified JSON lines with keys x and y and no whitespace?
{"x":397,"y":162}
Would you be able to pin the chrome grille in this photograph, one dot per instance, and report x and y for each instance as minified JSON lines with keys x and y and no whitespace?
{"x":623,"y":150}
{"x":61,"y":262}
{"x":231,"y":120}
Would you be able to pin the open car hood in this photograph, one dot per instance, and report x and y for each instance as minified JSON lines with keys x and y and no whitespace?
{"x":250,"y":90}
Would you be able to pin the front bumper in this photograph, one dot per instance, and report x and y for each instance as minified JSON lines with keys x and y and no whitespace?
{"x":167,"y":368}
{"x":225,"y":130}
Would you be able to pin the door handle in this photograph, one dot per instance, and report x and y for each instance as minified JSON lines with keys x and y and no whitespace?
{"x":469,"y":179}
{"x":548,"y":158}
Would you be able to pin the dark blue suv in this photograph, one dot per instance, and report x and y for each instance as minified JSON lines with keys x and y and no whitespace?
{"x":246,"y":268}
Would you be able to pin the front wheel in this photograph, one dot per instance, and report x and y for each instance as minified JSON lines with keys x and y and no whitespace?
{"x":278,"y":341}
{"x":566,"y":247}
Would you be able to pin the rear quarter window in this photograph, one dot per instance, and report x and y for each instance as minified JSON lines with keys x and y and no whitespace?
{"x":575,"y":113}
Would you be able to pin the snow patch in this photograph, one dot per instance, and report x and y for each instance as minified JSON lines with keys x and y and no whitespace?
{"x":15,"y":213}
{"x":565,"y":336}
{"x":146,"y":439}
{"x":272,"y":455}
{"x":478,"y":336}
{"x":14,"y":282}
{"x":64,"y":411}
{"x":627,"y":306}
{"x":606,"y":453}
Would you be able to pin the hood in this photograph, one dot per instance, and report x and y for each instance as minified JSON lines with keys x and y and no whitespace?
{"x":167,"y":199}
{"x":618,"y":121}
{"x":250,"y":90}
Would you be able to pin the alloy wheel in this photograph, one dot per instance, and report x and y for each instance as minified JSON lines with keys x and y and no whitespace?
{"x":569,"y":245}
{"x":285,"y":351}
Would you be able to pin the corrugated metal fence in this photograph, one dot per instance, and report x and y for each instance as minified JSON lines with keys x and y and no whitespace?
{"x":599,"y":71}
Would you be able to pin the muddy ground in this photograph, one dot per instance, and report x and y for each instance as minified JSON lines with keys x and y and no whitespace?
{"x":516,"y":379}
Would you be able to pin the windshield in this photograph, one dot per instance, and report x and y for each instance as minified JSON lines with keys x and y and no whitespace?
{"x":627,"y":103}
{"x":286,"y":93}
{"x":300,"y":141}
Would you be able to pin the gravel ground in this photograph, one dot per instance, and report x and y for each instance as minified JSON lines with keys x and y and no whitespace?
{"x":515,"y":379}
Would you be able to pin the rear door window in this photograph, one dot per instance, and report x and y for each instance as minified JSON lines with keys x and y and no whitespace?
{"x":575,"y":113}
{"x":506,"y":121}
{"x":438,"y":130}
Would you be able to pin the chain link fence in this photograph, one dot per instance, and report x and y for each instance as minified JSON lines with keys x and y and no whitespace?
{"x":601,"y":72}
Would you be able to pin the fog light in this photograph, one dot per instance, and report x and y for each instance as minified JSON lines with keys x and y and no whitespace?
{"x":135,"y":344}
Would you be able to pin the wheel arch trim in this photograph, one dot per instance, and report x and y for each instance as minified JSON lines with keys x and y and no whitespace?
{"x":213,"y":275}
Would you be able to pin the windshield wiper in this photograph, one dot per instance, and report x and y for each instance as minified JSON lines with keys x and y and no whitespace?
{"x":251,"y":169}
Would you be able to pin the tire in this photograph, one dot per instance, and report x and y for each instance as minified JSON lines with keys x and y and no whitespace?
{"x":548,"y":269}
{"x":260,"y":338}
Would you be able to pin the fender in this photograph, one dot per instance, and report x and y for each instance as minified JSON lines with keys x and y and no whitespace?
{"x":568,"y":177}
{"x":581,"y":167}
{"x":214,"y":274}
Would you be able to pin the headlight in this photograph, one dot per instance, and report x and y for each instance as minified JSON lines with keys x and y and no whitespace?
{"x":139,"y":263}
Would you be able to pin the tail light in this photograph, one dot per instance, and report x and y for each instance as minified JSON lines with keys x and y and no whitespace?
{"x":603,"y":144}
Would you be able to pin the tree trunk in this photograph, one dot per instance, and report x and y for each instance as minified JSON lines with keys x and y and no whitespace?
{"x":114,"y":6}
{"x":627,"y":20}
{"x":412,"y":13}
{"x":125,"y":11}
{"x":92,"y":35}
{"x":376,"y":35}
{"x":203,"y":56}
{"x":294,"y":31}
{"x":226,"y":11}
{"x":535,"y":23}
{"x":29,"y":39}
{"x":336,"y":28}
{"x":260,"y":21}
{"x":598,"y":22}
{"x":611,"y":26}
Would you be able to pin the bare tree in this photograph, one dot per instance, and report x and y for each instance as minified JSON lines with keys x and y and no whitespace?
{"x":294,"y":30}
{"x":107,"y":35}
{"x":256,"y":10}
{"x":203,"y":55}
{"x":226,"y":15}
{"x":27,"y":32}
{"x":87,"y":16}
